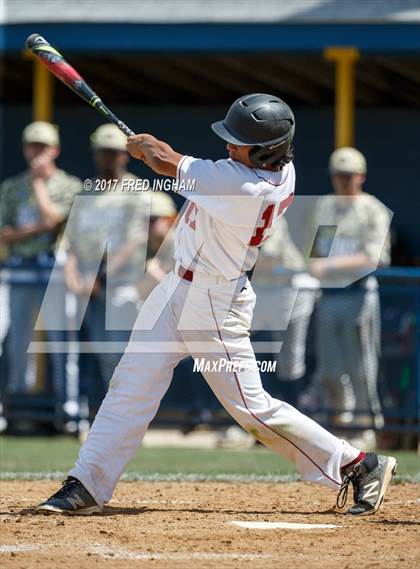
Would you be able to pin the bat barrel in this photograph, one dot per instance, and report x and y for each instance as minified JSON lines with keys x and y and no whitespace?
{"x":55,"y":62}
{"x":35,"y":39}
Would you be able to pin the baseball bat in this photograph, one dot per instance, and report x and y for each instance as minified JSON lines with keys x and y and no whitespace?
{"x":56,"y":63}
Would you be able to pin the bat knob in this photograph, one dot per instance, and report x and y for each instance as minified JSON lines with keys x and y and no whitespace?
{"x":33,"y":40}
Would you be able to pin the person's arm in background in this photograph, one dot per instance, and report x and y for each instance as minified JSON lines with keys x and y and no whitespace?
{"x":157,"y":268}
{"x":122,"y":257}
{"x":375,"y":248}
{"x":72,"y":276}
{"x":50,"y":213}
{"x":377,"y":243}
{"x":320,"y":267}
{"x":75,"y":281}
{"x":40,"y":170}
{"x":9,"y":233}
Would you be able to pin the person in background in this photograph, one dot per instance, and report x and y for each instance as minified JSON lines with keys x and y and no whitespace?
{"x":34,"y":206}
{"x":4,"y":298}
{"x":287,"y":294}
{"x":106,"y":253}
{"x":160,"y":243}
{"x":4,"y":327}
{"x":352,"y":238}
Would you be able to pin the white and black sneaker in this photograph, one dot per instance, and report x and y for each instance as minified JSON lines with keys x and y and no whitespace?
{"x":72,"y":498}
{"x":370,"y":478}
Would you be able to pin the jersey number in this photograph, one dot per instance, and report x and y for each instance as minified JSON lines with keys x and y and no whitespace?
{"x":190,"y":215}
{"x":267,"y":218}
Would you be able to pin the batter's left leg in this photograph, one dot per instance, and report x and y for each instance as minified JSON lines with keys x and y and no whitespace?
{"x":138,"y":384}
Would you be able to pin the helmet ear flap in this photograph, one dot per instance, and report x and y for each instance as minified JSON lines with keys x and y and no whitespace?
{"x":274,"y":154}
{"x":262,"y":157}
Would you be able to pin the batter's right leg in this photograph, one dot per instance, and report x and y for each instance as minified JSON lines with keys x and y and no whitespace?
{"x":318,"y":454}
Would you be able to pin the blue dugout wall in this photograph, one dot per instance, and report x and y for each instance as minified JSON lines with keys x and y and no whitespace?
{"x":385,"y":37}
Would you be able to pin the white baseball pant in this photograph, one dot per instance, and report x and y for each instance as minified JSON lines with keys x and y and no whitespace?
{"x":215,"y":325}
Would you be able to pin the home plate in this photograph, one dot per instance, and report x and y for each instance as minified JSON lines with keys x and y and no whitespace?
{"x":281,"y":525}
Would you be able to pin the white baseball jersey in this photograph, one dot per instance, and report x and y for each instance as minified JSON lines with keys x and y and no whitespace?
{"x":232,"y":210}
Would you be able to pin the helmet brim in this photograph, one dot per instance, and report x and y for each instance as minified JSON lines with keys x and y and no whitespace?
{"x":220,"y":129}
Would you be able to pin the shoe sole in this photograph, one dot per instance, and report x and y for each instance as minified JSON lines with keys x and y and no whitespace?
{"x":391,"y":470}
{"x":47,"y":509}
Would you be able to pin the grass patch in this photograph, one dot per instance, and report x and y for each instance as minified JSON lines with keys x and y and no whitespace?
{"x":57,"y":454}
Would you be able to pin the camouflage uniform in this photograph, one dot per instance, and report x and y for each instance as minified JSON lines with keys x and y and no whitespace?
{"x":285,"y":300}
{"x":348,"y":319}
{"x":18,"y":207}
{"x":112,"y":218}
{"x":103,"y":222}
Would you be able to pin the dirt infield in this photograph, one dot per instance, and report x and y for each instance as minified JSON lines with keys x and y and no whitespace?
{"x":188,"y":525}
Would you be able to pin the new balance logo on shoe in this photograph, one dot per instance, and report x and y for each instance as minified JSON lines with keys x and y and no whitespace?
{"x":72,"y":498}
{"x":76,"y":501}
{"x":370,"y":479}
{"x":372,"y":490}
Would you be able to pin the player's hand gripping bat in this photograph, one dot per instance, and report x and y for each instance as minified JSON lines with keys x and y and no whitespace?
{"x":70,"y":77}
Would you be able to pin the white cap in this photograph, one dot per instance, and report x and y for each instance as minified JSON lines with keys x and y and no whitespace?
{"x":162,"y":205}
{"x":347,"y":160}
{"x":109,"y":136}
{"x":41,"y":132}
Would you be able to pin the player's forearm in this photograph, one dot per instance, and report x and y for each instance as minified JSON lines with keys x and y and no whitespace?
{"x":158,"y":155}
{"x":122,"y":257}
{"x":10,"y":235}
{"x":49,"y":211}
{"x":349,"y":262}
{"x":330,"y":265}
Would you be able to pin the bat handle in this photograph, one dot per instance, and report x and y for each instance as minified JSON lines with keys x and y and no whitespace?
{"x":98,"y":105}
{"x":124,"y":128}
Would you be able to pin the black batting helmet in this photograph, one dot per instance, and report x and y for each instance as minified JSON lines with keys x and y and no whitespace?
{"x":264,"y":122}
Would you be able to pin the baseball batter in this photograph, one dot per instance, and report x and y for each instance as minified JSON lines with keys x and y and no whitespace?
{"x":204,"y":308}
